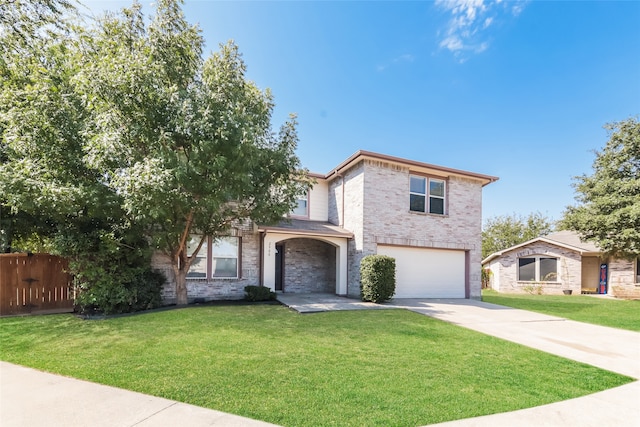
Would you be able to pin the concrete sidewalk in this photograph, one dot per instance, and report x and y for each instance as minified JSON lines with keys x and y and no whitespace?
{"x":31,"y":398}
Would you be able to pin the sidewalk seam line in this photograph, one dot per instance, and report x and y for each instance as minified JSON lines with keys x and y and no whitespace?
{"x":155,"y":413}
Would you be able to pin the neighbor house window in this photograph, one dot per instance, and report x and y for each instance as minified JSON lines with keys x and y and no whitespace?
{"x":538,"y":269}
{"x":427,"y":195}
{"x":217,"y":258}
{"x":302,"y":206}
{"x":637,"y":270}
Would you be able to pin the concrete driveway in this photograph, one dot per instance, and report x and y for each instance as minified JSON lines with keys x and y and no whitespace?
{"x":616,"y":350}
{"x":612,"y":349}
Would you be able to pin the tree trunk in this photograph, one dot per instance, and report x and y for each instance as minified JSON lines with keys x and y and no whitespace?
{"x":181,"y":285}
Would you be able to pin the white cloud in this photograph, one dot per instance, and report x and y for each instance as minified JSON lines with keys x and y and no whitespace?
{"x":467,"y":30}
{"x":407,"y":57}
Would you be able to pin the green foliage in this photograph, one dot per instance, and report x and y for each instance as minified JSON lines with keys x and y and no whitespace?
{"x":110,"y":293}
{"x":185,"y":142}
{"x":610,"y":312}
{"x":348,"y":368}
{"x":502,"y":232}
{"x":608,"y":210}
{"x":111,"y":270}
{"x":259,"y":293}
{"x":122,"y":128}
{"x":485,"y":278}
{"x":378,"y":278}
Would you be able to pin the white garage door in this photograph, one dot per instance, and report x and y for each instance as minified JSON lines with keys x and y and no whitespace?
{"x":427,"y":273}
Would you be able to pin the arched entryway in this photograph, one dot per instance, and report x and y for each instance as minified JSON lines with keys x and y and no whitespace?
{"x":304,"y":263}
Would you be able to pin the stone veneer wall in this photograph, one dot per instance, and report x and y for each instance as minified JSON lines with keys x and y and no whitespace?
{"x":569,"y":265}
{"x":387,"y":219}
{"x":216,"y":289}
{"x":309,"y":266}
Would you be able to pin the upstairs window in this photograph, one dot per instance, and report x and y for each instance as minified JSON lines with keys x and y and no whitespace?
{"x":538,"y":269}
{"x":427,"y":195}
{"x":219,"y":258}
{"x":302,"y":207}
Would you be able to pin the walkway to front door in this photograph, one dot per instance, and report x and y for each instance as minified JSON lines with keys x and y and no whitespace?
{"x":314,"y":303}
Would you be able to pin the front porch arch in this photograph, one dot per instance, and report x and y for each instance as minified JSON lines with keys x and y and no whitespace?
{"x":269,"y":257}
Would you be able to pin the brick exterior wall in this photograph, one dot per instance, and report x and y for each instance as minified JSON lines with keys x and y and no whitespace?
{"x":352,"y":183}
{"x":622,"y":279}
{"x":505,"y":271}
{"x":371,"y":200}
{"x":377,"y":211}
{"x":309,"y":266}
{"x":216,"y":289}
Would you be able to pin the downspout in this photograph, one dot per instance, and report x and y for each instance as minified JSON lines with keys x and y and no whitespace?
{"x":342,"y":196}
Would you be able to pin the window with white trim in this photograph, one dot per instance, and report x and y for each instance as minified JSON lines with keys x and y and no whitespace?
{"x":217,"y":258}
{"x":427,"y":195}
{"x":302,"y":207}
{"x":537,"y":269}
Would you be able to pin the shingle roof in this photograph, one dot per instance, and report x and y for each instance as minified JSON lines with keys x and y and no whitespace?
{"x":571,"y":238}
{"x":568,"y":239}
{"x":310,"y":228}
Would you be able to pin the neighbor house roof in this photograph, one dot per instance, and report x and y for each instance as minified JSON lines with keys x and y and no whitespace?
{"x":565,"y":238}
{"x":412,"y":164}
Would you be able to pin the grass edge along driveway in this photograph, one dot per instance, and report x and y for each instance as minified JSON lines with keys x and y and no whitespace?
{"x":614,"y":313}
{"x":378,"y":367}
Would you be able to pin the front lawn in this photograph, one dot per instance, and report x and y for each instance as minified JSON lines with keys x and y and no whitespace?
{"x":378,"y":367}
{"x":623,"y":314}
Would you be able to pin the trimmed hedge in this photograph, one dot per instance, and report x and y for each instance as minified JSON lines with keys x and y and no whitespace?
{"x":378,"y":278}
{"x":258,"y":293}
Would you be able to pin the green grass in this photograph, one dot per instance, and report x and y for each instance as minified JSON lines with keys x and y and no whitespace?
{"x":378,"y":367}
{"x":623,"y":314}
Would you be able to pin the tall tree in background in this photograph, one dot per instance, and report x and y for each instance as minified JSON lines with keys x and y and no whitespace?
{"x":608,"y":212}
{"x":502,"y":232}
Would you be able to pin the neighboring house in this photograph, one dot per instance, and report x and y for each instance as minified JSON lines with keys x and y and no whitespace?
{"x":427,"y":217}
{"x":561,"y":261}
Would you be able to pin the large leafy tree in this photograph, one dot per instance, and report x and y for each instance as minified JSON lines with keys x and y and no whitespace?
{"x":608,"y":209}
{"x":502,"y":232}
{"x":51,"y":196}
{"x":186,"y":143}
{"x":124,"y":128}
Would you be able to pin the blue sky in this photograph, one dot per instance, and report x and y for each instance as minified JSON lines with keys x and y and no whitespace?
{"x":515,"y":89}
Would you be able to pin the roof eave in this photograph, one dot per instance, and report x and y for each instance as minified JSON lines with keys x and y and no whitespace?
{"x":361,"y":155}
{"x":346,"y":235}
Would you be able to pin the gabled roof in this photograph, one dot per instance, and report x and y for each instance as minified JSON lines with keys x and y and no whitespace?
{"x":412,"y":164}
{"x":565,"y":239}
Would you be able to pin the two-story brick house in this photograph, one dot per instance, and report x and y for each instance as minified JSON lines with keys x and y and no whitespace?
{"x":427,"y":217}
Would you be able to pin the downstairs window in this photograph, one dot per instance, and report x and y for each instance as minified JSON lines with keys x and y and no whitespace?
{"x":217,"y":258}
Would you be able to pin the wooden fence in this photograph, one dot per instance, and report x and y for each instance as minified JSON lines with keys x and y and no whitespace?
{"x":34,"y":284}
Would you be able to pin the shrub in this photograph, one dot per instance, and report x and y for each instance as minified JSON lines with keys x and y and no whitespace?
{"x":106,"y":294}
{"x":378,"y":278}
{"x":486,"y":277}
{"x":259,"y":293}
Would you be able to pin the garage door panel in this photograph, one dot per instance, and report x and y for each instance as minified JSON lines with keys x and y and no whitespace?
{"x":426,"y":272}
